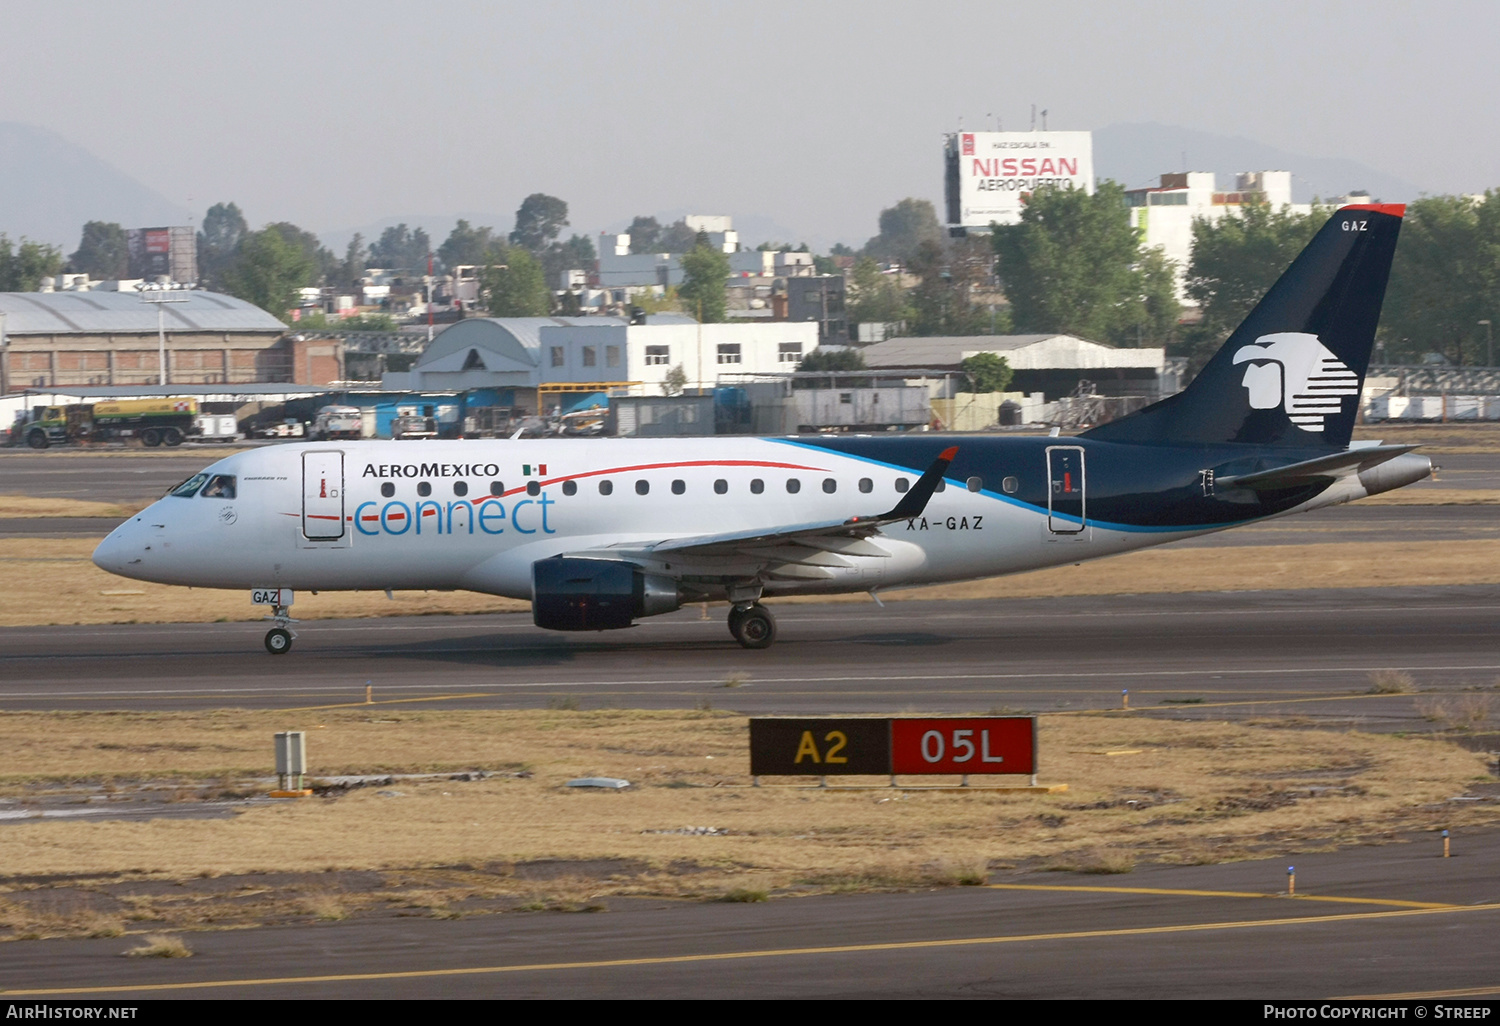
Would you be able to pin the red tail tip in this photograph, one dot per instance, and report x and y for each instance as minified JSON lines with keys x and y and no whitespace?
{"x":1394,"y":209}
{"x":948,"y":453}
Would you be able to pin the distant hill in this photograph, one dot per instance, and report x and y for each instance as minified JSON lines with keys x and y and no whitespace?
{"x":1137,"y":155}
{"x":51,"y":186}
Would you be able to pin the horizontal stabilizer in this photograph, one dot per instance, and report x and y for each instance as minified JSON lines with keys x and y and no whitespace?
{"x":1308,"y":471}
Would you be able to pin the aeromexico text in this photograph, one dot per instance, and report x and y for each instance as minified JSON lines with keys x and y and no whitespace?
{"x":431,"y":470}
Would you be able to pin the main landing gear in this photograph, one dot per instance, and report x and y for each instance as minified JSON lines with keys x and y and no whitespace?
{"x":752,"y":626}
{"x":279,"y":638}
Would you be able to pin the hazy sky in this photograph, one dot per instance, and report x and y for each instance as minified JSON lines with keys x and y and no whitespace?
{"x":816,"y":114}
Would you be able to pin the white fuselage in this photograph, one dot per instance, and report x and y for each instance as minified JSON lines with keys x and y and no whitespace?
{"x":476,"y":514}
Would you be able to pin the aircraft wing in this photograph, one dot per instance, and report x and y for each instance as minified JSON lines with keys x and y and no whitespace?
{"x":1294,"y":474}
{"x":807,"y":550}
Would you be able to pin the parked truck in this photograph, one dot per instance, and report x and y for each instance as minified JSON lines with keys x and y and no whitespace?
{"x":154,"y":421}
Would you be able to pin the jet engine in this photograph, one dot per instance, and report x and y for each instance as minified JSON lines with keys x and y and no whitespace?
{"x":573,"y":594}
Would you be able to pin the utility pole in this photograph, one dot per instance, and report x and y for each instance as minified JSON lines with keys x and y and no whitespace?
{"x":159,"y":293}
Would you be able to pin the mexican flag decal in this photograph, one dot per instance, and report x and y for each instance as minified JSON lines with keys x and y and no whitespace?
{"x":540,"y":469}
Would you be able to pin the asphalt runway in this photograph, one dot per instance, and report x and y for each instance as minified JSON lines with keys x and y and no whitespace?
{"x":1396,"y":922}
{"x":1308,"y":654}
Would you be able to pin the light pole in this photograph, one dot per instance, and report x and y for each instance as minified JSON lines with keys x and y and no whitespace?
{"x":159,"y":293}
{"x":1489,"y":343}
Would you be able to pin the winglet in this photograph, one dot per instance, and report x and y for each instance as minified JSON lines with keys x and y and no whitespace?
{"x":915,"y":501}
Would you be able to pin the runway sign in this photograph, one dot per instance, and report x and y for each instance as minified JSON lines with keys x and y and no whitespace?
{"x":844,"y":746}
{"x":993,"y":744}
{"x":819,"y":748}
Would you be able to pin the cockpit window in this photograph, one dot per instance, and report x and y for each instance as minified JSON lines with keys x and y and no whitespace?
{"x":188,"y":488}
{"x":221,"y":487}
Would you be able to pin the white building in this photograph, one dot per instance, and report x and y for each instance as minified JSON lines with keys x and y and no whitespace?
{"x":524,"y":352}
{"x":1166,"y":213}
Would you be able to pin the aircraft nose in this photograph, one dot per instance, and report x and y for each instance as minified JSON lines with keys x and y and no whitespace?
{"x":124,"y":550}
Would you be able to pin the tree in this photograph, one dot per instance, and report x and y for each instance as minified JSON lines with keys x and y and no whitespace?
{"x":268,"y":270}
{"x":676,"y":237}
{"x":101,"y":252}
{"x":538,"y":221}
{"x":1444,"y":280}
{"x":674,"y":382}
{"x":467,"y":245}
{"x":874,"y":297}
{"x":400,"y":248}
{"x":325,"y":264}
{"x":1235,"y":261}
{"x":577,"y":253}
{"x":987,"y":372}
{"x":705,"y":273}
{"x":24,"y":264}
{"x":353,"y":267}
{"x":1073,"y":264}
{"x":943,"y":303}
{"x":645,"y":233}
{"x":903,"y":228}
{"x":223,"y":228}
{"x":832,"y":360}
{"x":516,"y":288}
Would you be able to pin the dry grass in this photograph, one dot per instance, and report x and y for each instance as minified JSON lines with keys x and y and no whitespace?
{"x":159,"y":945}
{"x":1196,"y":791}
{"x":1434,"y":495}
{"x":79,"y":592}
{"x":1392,"y":682}
{"x":19,"y":506}
{"x":1456,"y":712}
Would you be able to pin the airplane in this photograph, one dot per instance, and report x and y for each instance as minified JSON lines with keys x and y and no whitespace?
{"x":598,"y":533}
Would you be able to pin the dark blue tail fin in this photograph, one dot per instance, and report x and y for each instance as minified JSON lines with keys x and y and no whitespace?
{"x":1291,"y":374}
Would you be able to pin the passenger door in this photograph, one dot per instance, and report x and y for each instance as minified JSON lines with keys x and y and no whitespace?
{"x":323,"y":496}
{"x":1066,"y":509}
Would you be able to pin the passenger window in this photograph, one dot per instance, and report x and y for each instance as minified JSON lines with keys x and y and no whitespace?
{"x":387,"y":489}
{"x":793,"y":486}
{"x":424,"y":489}
{"x":902,"y":484}
{"x":497,"y":487}
{"x":460,"y":488}
{"x":606,"y":487}
{"x":976,"y":484}
{"x":188,"y":487}
{"x":533,"y":488}
{"x":642,"y":487}
{"x":721,"y":486}
{"x":1011,"y":485}
{"x":830,"y":485}
{"x":679,"y":486}
{"x":866,"y":485}
{"x":570,"y":487}
{"x":757,"y":486}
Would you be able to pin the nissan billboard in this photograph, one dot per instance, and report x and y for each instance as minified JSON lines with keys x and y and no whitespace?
{"x":989,"y":175}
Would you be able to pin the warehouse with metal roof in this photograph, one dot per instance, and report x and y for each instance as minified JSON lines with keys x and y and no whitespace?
{"x":50,"y":339}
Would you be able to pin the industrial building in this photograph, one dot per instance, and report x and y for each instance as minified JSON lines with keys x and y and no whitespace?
{"x":517,"y":355}
{"x":53,"y":339}
{"x":1050,"y":364}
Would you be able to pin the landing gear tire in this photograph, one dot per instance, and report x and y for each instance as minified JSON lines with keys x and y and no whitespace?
{"x":171,"y":436}
{"x":278,"y":641}
{"x":754,"y":627}
{"x":151,"y":438}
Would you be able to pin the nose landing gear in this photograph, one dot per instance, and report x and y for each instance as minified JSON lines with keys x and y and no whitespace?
{"x":279,"y":638}
{"x":753,"y":626}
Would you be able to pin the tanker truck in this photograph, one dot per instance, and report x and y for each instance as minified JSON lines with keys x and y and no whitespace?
{"x":154,"y":421}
